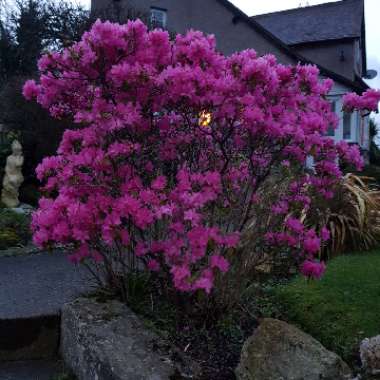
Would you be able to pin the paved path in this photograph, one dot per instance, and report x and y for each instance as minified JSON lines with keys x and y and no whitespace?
{"x":32,"y":291}
{"x":36,"y":285}
{"x":30,"y":370}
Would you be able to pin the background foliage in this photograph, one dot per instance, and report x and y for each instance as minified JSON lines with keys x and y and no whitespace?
{"x":14,"y":229}
{"x":28,"y":29}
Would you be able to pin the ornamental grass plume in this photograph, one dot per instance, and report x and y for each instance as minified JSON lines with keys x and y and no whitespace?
{"x":351,"y":219}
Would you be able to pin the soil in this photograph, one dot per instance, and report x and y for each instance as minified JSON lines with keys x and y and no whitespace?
{"x":214,"y":345}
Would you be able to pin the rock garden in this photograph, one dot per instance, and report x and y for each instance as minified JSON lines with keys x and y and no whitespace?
{"x":182,"y":234}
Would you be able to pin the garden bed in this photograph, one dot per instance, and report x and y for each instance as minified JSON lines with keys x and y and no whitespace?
{"x":213,"y":345}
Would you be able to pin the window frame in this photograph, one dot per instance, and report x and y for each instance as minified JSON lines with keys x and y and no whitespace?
{"x":163,"y":12}
{"x":333,"y":99}
{"x":348,"y":115}
{"x":333,"y":103}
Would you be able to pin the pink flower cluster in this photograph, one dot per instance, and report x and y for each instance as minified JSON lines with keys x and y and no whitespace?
{"x":313,"y":269}
{"x":140,"y":174}
{"x":369,"y":101}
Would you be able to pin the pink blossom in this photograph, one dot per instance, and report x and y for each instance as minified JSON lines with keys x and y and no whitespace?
{"x":159,"y":183}
{"x":30,"y":89}
{"x":368,"y":101}
{"x":280,"y":208}
{"x":205,"y":282}
{"x":312,"y":245}
{"x":220,"y":263}
{"x":153,"y":265}
{"x":181,"y":277}
{"x":232,"y":240}
{"x":313,"y":269}
{"x":325,"y":234}
{"x":295,"y":225}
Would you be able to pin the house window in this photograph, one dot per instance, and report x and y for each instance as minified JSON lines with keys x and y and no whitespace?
{"x":347,"y":126}
{"x":158,"y":17}
{"x":331,"y":130}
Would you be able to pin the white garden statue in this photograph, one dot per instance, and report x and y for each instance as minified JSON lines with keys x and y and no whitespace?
{"x":13,"y":177}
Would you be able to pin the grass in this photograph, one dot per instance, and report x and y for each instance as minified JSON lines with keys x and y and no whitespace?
{"x":342,"y":308}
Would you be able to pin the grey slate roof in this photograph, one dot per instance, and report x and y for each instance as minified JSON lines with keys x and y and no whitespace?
{"x":358,"y":85}
{"x":329,"y":21}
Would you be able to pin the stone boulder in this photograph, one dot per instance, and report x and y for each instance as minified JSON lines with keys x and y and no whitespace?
{"x":279,"y":351}
{"x":104,"y":341}
{"x":370,"y":355}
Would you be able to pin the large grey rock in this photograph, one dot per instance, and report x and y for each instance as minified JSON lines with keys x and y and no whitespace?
{"x":108,"y":341}
{"x":370,"y":355}
{"x":279,"y":351}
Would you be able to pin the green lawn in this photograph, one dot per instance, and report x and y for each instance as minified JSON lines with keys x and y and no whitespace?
{"x":342,"y":308}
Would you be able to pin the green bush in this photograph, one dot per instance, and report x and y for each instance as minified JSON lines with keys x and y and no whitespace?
{"x":14,"y":228}
{"x":341,"y":309}
{"x":8,"y":238}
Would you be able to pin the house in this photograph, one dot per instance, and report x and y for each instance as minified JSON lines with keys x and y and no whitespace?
{"x":330,"y":35}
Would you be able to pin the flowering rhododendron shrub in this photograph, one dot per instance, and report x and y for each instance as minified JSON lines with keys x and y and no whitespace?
{"x":173,"y":144}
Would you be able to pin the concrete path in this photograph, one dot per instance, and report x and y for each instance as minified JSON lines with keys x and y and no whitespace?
{"x":33,"y":290}
{"x":35,"y":285}
{"x":30,"y":370}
